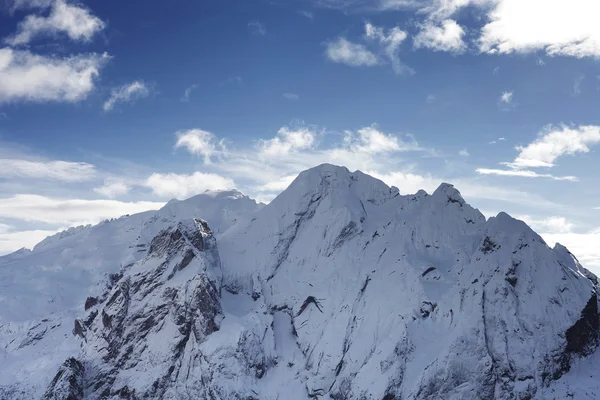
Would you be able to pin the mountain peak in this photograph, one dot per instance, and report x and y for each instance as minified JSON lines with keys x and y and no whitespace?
{"x":448,"y":193}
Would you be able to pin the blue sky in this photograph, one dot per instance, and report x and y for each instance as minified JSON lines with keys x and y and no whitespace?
{"x":109,"y":108}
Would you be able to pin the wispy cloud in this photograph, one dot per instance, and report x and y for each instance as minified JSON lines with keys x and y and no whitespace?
{"x":290,"y":96}
{"x":577,"y":85}
{"x":49,"y":170}
{"x":50,"y":210}
{"x":382,"y":44}
{"x":257,"y":28}
{"x":127,"y":93}
{"x":233,"y":80}
{"x":463,"y":153}
{"x":552,"y":142}
{"x":187,"y":93}
{"x":307,"y":14}
{"x":201,"y":143}
{"x":78,"y":23}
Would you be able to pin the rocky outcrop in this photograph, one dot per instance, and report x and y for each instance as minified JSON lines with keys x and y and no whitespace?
{"x":68,"y":383}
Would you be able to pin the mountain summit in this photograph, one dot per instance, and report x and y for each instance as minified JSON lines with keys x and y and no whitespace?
{"x":340,"y":288}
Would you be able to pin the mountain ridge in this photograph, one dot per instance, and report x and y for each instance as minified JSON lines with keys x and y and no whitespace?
{"x":340,"y":287}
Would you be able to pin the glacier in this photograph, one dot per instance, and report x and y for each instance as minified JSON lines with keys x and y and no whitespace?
{"x":341,"y":288}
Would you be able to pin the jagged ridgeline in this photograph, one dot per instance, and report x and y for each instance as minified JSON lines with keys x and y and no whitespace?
{"x":340,"y":288}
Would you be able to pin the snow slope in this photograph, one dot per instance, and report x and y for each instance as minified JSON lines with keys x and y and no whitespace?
{"x":339,"y":288}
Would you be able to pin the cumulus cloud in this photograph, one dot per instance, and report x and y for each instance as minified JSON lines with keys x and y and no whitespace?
{"x":447,"y":36}
{"x":182,"y":186}
{"x":25,"y":76}
{"x":52,"y":170}
{"x":68,"y":212}
{"x":127,"y":93}
{"x":552,"y":143}
{"x":113,"y":188}
{"x":78,"y":23}
{"x":288,"y":140}
{"x":353,"y":54}
{"x":463,"y":153}
{"x":557,"y":27}
{"x":200,"y":142}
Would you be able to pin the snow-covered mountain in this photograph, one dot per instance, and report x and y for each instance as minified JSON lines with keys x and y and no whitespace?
{"x":340,"y":288}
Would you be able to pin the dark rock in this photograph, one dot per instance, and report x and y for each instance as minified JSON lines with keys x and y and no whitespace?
{"x":67,"y":383}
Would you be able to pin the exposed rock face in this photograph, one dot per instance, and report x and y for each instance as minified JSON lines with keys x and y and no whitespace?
{"x":67,"y":383}
{"x":158,"y":311}
{"x":340,"y":288}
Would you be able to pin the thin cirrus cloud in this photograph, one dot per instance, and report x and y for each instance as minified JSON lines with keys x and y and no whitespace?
{"x":68,"y":212}
{"x":127,"y":93}
{"x":257,"y":28}
{"x":77,"y":23}
{"x":64,"y":171}
{"x":552,"y":142}
{"x":28,"y":77}
{"x":290,"y":96}
{"x":188,"y":92}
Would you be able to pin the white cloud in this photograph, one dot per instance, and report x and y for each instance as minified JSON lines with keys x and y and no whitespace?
{"x":407,"y":182}
{"x":290,"y":96}
{"x":463,"y":153}
{"x":288,"y":140}
{"x":257,"y":28}
{"x":187,"y":93}
{"x":74,"y":21}
{"x":506,"y":97}
{"x":430,"y":98}
{"x":12,"y":241}
{"x":549,"y":224}
{"x":583,"y":245}
{"x":559,"y":28}
{"x":200,"y":142}
{"x":127,"y":93}
{"x":355,"y":55}
{"x":447,"y":36}
{"x":390,"y":42}
{"x":53,"y":170}
{"x":25,"y":76}
{"x":554,"y":142}
{"x":112,"y":188}
{"x":370,"y":140}
{"x":183,"y":186}
{"x":68,"y":212}
{"x":523,"y":173}
{"x":28,"y":4}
